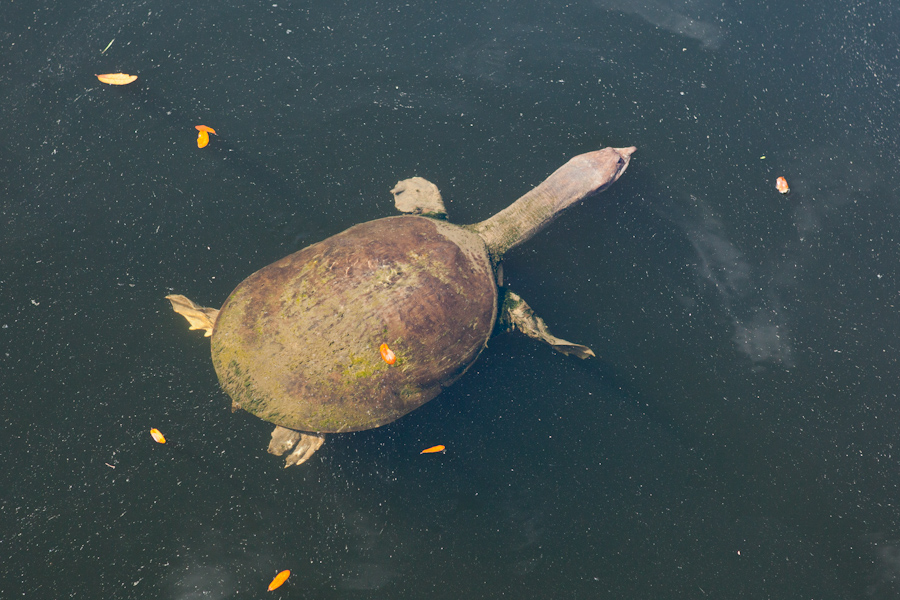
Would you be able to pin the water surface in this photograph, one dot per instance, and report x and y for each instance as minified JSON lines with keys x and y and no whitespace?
{"x":735,"y":436}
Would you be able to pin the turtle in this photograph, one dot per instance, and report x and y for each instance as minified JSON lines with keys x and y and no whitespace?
{"x":357,"y":330}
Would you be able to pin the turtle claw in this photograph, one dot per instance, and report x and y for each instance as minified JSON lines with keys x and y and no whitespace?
{"x":304,"y":445}
{"x":199,"y":317}
{"x":516,"y":314}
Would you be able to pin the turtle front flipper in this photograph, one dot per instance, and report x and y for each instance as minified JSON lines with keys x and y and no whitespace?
{"x":199,"y":317}
{"x":418,"y":196}
{"x":516,"y":314}
{"x":304,"y":445}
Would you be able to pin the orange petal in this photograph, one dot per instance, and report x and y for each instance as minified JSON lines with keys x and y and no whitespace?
{"x":433,"y":449}
{"x":206,"y":129}
{"x":158,"y":437}
{"x":279,"y":579}
{"x":781,"y":185}
{"x":117,"y":78}
{"x":387,"y":354}
{"x":202,"y":139}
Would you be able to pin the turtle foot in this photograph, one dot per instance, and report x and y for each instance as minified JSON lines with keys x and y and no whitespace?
{"x":199,"y":317}
{"x":306,"y":447}
{"x":283,"y":439}
{"x":418,"y":196}
{"x":518,"y":315}
{"x":303,"y":444}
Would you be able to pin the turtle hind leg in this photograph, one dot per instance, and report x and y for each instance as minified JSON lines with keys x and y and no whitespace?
{"x":303,"y":444}
{"x":198,"y":317}
{"x":516,"y":314}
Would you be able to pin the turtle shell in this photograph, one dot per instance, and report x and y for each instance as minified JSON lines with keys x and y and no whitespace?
{"x":297,"y":343}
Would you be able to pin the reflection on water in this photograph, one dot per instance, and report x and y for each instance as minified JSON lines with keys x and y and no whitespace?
{"x":373,"y":553}
{"x":700,"y":20}
{"x":749,"y":296}
{"x":885,"y":581}
{"x":526,"y":58}
{"x":366,"y":576}
{"x":196,"y":581}
{"x":829,"y":178}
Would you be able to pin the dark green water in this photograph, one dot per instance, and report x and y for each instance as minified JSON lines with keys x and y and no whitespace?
{"x":735,"y":438}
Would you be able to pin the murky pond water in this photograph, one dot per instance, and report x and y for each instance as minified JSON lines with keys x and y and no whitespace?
{"x":735,"y":436}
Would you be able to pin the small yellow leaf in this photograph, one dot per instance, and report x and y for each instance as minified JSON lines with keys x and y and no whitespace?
{"x":157,"y":436}
{"x":203,"y":136}
{"x":781,"y":185}
{"x":279,"y":579}
{"x":387,"y":354}
{"x":117,"y":78}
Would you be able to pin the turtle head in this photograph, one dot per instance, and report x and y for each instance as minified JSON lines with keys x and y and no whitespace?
{"x":582,"y":176}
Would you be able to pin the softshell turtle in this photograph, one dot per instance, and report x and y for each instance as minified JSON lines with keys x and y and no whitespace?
{"x":357,"y":330}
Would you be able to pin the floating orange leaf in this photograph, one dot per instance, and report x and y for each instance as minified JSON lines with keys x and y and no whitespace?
{"x":279,"y":579}
{"x":387,"y":354}
{"x":433,"y":449}
{"x":781,"y":185}
{"x":203,"y":136}
{"x":117,"y":78}
{"x":158,"y":437}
